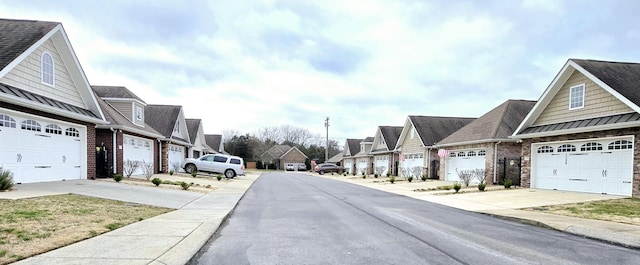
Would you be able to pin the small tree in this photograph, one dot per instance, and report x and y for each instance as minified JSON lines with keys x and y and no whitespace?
{"x":416,"y":171}
{"x":478,"y":173}
{"x":465,"y":176}
{"x":147,"y":170}
{"x":130,"y":166}
{"x":176,"y":166}
{"x":379,"y":170}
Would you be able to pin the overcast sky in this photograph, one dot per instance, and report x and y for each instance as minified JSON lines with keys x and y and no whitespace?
{"x":244,"y":65}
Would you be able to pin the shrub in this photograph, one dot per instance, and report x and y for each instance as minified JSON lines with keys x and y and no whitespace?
{"x":219,"y":177}
{"x":375,"y":175}
{"x":184,"y":185}
{"x":424,"y":177}
{"x":117,"y":177}
{"x":354,"y":173}
{"x":481,"y":186}
{"x":410,"y":178}
{"x":6,"y":179}
{"x":388,"y":174}
{"x":465,"y":176}
{"x":392,"y":179}
{"x":130,"y":166}
{"x":171,"y":172}
{"x":156,"y":181}
{"x":194,"y":173}
{"x":364,"y":176}
{"x":457,"y":186}
{"x":147,"y":170}
{"x":507,"y":183}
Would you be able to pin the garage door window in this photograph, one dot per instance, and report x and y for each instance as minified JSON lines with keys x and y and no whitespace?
{"x":471,"y":153}
{"x":53,"y":129}
{"x":545,"y":149}
{"x":591,"y":147}
{"x":31,"y":125}
{"x":7,"y":121}
{"x":566,"y":148}
{"x":452,"y":154}
{"x":72,"y":132}
{"x":461,"y":154}
{"x":621,"y":144}
{"x":482,"y":153}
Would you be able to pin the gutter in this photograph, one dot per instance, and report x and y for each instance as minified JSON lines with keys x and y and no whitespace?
{"x":115,"y":160}
{"x":495,"y":162}
{"x":477,"y":142}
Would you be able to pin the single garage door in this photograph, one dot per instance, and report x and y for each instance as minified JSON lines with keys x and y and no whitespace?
{"x":412,"y":165}
{"x":594,"y":166}
{"x":138,"y":149}
{"x":382,"y":165}
{"x":348,"y":166}
{"x":38,"y":149}
{"x":362,"y":166}
{"x":176,"y":155}
{"x":464,"y":160}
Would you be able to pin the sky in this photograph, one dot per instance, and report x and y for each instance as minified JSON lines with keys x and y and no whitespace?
{"x":250,"y":64}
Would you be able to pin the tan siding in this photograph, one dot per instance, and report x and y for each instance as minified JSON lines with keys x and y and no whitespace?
{"x":27,"y":75}
{"x":124,"y":108}
{"x":411,"y":146}
{"x":598,"y":102}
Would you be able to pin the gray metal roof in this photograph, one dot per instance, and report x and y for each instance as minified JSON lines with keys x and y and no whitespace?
{"x":38,"y":99}
{"x":16,"y":36}
{"x":607,"y":120}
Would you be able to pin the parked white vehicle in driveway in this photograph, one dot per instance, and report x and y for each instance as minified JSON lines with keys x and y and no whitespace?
{"x":230,"y":166}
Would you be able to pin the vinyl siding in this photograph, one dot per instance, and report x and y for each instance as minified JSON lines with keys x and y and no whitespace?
{"x":27,"y":75}
{"x":598,"y":102}
{"x":124,"y":108}
{"x":411,"y":146}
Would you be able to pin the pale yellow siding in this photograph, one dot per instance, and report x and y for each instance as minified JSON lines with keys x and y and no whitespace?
{"x":598,"y":102}
{"x":409,"y":145}
{"x":27,"y":75}
{"x":124,"y":108}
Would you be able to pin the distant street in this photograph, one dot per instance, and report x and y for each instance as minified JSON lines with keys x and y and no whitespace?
{"x":299,"y":219}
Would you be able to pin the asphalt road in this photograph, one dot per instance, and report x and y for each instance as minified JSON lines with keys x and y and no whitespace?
{"x":300,"y":219}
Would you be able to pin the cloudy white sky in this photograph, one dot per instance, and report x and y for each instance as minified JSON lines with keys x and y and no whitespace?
{"x":245,"y":65}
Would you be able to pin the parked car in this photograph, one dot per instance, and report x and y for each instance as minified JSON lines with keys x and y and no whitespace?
{"x":289,"y":167}
{"x":302,"y":167}
{"x":327,"y":167}
{"x":230,"y":166}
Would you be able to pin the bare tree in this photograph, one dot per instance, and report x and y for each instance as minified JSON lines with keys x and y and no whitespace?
{"x":147,"y":169}
{"x":478,"y":173}
{"x":416,"y":172}
{"x":380,"y":170}
{"x":228,"y":134}
{"x":466,"y":176}
{"x":175,"y":166}
{"x":130,"y":166}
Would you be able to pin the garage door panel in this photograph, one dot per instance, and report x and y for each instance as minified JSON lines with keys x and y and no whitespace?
{"x":138,"y":149}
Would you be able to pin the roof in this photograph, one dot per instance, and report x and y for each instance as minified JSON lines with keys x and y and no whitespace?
{"x":608,"y":120}
{"x":353,"y":145}
{"x":368,"y":140}
{"x":277,"y":151}
{"x":432,"y":129}
{"x":497,"y":124}
{"x":162,"y":118}
{"x":214,"y":141}
{"x":115,"y":92}
{"x":38,"y":99}
{"x":623,"y":77}
{"x":16,"y":36}
{"x":391,"y":134}
{"x":335,"y":159}
{"x":192,"y":126}
{"x":294,"y":149}
{"x":117,"y":120}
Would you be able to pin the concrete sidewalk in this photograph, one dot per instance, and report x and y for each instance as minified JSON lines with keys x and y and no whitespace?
{"x":507,"y":204}
{"x":171,"y":238}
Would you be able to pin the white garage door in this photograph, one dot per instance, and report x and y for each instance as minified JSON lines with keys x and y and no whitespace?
{"x":138,"y":149}
{"x":176,"y":155}
{"x":464,"y":160}
{"x":362,"y":166}
{"x":382,"y":165}
{"x":39,"y":149}
{"x":595,"y":166}
{"x":348,"y":166}
{"x":412,"y":165}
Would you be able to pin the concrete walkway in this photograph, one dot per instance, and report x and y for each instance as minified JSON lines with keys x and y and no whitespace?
{"x":171,"y":238}
{"x":507,"y":204}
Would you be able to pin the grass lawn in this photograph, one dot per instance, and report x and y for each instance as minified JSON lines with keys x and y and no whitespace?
{"x":36,"y":225}
{"x":620,"y":210}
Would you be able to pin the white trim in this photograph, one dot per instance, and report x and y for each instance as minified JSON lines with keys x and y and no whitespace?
{"x":584,"y":92}
{"x":52,"y":110}
{"x":124,"y":100}
{"x":579,"y":130}
{"x":42,"y":69}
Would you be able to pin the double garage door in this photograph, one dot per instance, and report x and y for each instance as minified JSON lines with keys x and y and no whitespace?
{"x":595,"y":166}
{"x":40,"y":149}
{"x":138,"y":149}
{"x":460,"y":160}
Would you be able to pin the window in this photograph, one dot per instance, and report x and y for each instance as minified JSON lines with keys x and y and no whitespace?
{"x":452,"y":154}
{"x":207,"y":158}
{"x":481,"y":153}
{"x":72,"y":132}
{"x":576,"y":97}
{"x":7,"y":121}
{"x":47,"y":69}
{"x":591,"y":147}
{"x":220,"y":159}
{"x":53,"y":129}
{"x":234,"y":161}
{"x":146,"y":144}
{"x":382,"y":141}
{"x":545,"y":149}
{"x":471,"y":153}
{"x":139,"y":113}
{"x":621,"y":144}
{"x":176,"y":129}
{"x":31,"y":125}
{"x":413,"y":133}
{"x":461,"y":154}
{"x":566,"y":148}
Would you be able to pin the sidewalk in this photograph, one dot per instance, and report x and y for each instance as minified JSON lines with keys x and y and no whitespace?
{"x":171,"y":238}
{"x":506,"y":204}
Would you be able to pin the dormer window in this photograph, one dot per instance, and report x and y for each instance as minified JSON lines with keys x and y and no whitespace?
{"x":139,"y":114}
{"x":576,"y":97}
{"x":47,"y":69}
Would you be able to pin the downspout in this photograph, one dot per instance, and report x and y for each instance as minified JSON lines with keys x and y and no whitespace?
{"x":495,"y":162}
{"x":428,"y":163}
{"x":115,"y":151}
{"x":159,"y":156}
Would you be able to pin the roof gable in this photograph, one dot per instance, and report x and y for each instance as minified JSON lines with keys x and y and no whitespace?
{"x":292,"y":151}
{"x":164,"y":118}
{"x":118,"y":121}
{"x":497,"y":124}
{"x":215,"y":142}
{"x":390,"y":134}
{"x":352,"y":147}
{"x":432,"y":129}
{"x":116,"y":92}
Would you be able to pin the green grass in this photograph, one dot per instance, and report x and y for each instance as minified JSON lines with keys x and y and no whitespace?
{"x":619,"y":210}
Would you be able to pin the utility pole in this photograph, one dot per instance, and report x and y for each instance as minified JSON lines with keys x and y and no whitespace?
{"x":326,"y":148}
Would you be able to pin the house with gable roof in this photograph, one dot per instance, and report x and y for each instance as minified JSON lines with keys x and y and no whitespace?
{"x":417,"y":143}
{"x":127,"y":133}
{"x":197,"y":138}
{"x":351,"y":148}
{"x":362,"y":159}
{"x":483,"y":142}
{"x":170,"y":121}
{"x":215,"y":142}
{"x":583,"y":133}
{"x":273,"y":154}
{"x":383,"y":150}
{"x":48,"y":111}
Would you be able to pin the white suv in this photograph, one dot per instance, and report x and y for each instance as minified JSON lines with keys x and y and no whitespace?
{"x":229,"y":165}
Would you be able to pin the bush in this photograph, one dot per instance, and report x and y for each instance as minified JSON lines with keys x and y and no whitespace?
{"x":424,"y":177}
{"x":481,"y":186}
{"x":410,"y":178}
{"x":375,"y":175}
{"x":457,"y":186}
{"x":171,"y":172}
{"x":156,"y":181}
{"x":392,"y":179}
{"x":507,"y":183}
{"x":466,"y":176}
{"x":117,"y":177}
{"x":194,"y":173}
{"x":364,"y":176}
{"x":389,"y":174}
{"x":259,"y":165}
{"x":6,"y":179}
{"x":184,"y":185}
{"x":219,"y":177}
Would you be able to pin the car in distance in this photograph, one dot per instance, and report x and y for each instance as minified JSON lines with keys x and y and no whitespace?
{"x":327,"y":167}
{"x":302,"y":167}
{"x":289,"y":167}
{"x":230,"y":166}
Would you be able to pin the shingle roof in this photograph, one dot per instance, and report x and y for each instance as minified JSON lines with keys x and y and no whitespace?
{"x":335,"y":159}
{"x":498,"y":123}
{"x":38,"y":99}
{"x":620,"y":76}
{"x":162,"y":118}
{"x":368,"y":139}
{"x":115,"y":92}
{"x":214,"y":141}
{"x":192,"y":127}
{"x":116,"y":118}
{"x":391,"y":134}
{"x":354,"y":146}
{"x":433,"y":129}
{"x":16,"y":36}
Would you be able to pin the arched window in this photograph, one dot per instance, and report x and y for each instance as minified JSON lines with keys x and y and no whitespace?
{"x":482,"y":153}
{"x":47,"y":69}
{"x":591,"y":147}
{"x":461,"y":154}
{"x":545,"y":149}
{"x":452,"y":154}
{"x":53,"y":129}
{"x":7,"y":121}
{"x":471,"y":153}
{"x":31,"y":125}
{"x":566,"y":148}
{"x":72,"y":132}
{"x":620,"y":144}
